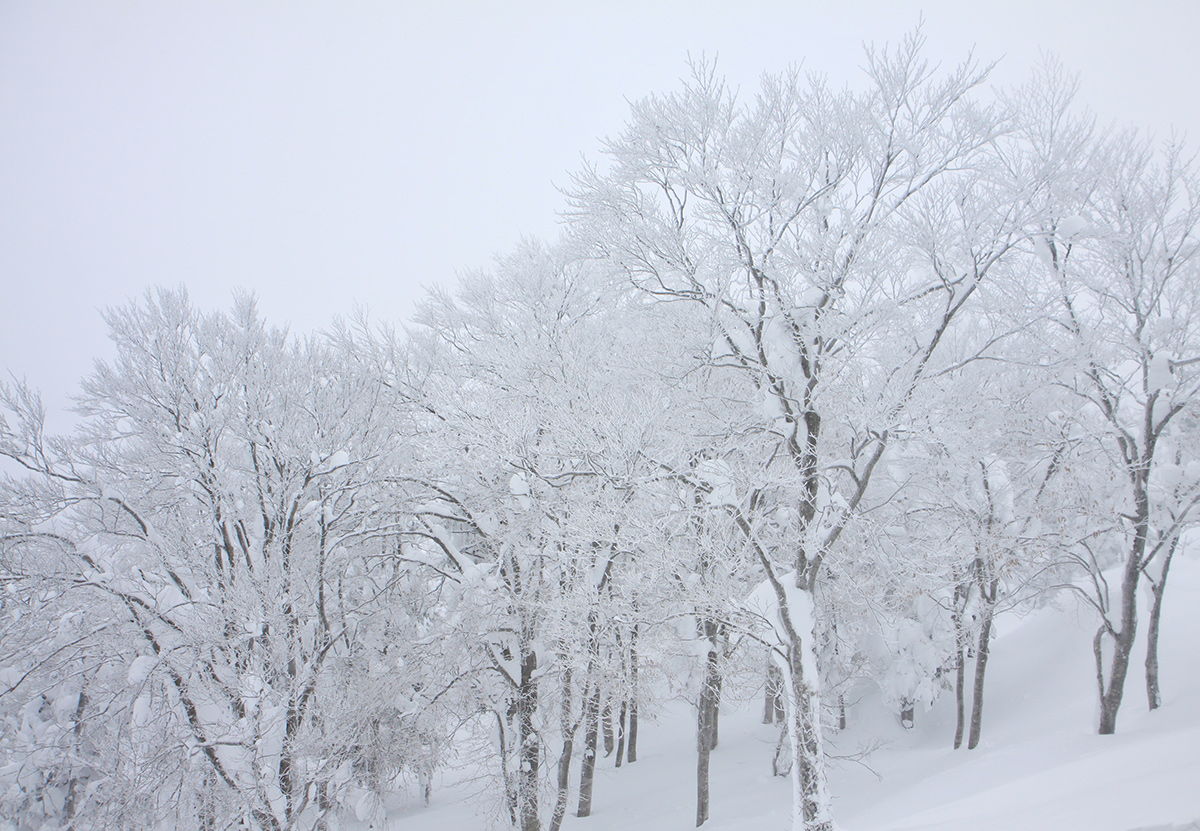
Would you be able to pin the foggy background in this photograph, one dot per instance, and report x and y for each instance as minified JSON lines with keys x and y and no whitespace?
{"x":328,"y":155}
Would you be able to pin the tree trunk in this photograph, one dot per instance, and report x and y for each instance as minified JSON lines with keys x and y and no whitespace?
{"x":1153,"y":695}
{"x":706,"y":721}
{"x":530,"y":751}
{"x":718,"y":682}
{"x":781,"y":762}
{"x":987,"y":611}
{"x":704,"y":751}
{"x":810,"y":794}
{"x":958,"y":614}
{"x":773,"y":698}
{"x":587,"y":774}
{"x":631,"y":749}
{"x":564,"y":783}
{"x":564,"y":761}
{"x":960,"y":673}
{"x":810,"y":791}
{"x":510,"y":789}
{"x":606,"y":722}
{"x":631,"y":756}
{"x":621,"y":732}
{"x":1110,"y":702}
{"x":70,"y":803}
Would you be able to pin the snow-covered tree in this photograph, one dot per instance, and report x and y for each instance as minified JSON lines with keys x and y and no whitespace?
{"x":536,"y":472}
{"x":789,"y":220}
{"x":221,"y":514}
{"x":1121,"y":253}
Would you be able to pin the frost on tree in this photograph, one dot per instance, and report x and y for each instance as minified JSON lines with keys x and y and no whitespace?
{"x":215,"y":533}
{"x":798,"y":222}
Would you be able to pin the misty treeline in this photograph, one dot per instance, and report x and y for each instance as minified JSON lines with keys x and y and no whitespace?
{"x":814,"y":385}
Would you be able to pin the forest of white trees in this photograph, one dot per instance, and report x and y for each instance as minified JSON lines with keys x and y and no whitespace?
{"x":814,"y":384}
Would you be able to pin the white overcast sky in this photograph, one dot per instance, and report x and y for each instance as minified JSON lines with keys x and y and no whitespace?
{"x":328,"y":154}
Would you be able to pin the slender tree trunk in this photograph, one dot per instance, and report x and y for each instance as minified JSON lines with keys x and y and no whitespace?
{"x":564,"y":761}
{"x":564,"y":783}
{"x":781,"y":762}
{"x":704,"y":751}
{"x":768,"y":698}
{"x":706,"y":720}
{"x":718,"y":683}
{"x":960,"y":673}
{"x":958,"y":616}
{"x":70,"y":803}
{"x":631,"y":748}
{"x":510,"y":789}
{"x":1110,"y":701}
{"x":587,"y":773}
{"x":987,"y":611}
{"x":773,"y":698}
{"x":621,"y":731}
{"x":591,"y":719}
{"x":606,"y":723}
{"x":529,"y":754}
{"x":631,"y":755}
{"x":1153,"y":694}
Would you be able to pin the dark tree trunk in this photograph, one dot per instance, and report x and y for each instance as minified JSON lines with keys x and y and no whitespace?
{"x":631,"y":755}
{"x":510,"y":789}
{"x":587,"y":775}
{"x":1114,"y":691}
{"x":621,"y":732}
{"x":564,"y":783}
{"x":631,"y":748}
{"x":987,"y":610}
{"x":773,"y":698}
{"x":70,"y":803}
{"x":1110,"y":700}
{"x":960,"y":679}
{"x":781,"y":762}
{"x":706,"y":721}
{"x":704,"y":751}
{"x":907,"y":714}
{"x":958,"y":613}
{"x":606,"y":721}
{"x":1153,"y":694}
{"x":768,"y":698}
{"x":716,"y":712}
{"x":529,"y":753}
{"x":564,"y":761}
{"x":808,"y":716}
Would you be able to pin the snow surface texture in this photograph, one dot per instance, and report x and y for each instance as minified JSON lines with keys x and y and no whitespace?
{"x":1040,"y":766}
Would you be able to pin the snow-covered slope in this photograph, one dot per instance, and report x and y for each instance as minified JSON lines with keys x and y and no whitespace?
{"x":1040,"y":766}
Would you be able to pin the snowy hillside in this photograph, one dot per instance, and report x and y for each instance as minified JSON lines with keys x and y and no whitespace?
{"x":1040,"y":766}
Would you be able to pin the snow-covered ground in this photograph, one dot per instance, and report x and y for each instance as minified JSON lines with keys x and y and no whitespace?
{"x":1039,"y":767}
